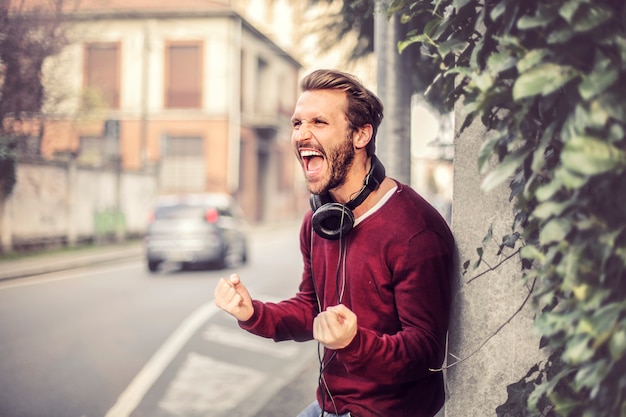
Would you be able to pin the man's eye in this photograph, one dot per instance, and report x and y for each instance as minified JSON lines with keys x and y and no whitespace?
{"x":296,"y":123}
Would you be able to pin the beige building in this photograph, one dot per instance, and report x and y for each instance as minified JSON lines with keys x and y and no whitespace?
{"x":190,"y":88}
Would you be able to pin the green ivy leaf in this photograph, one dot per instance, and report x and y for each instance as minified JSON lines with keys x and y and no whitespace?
{"x":498,"y":10}
{"x":458,"y":4}
{"x":584,"y":16}
{"x":531,"y":253}
{"x":509,"y":165}
{"x":560,"y":36}
{"x":451,"y":46}
{"x":546,"y":191}
{"x":616,"y":133}
{"x":510,"y":240}
{"x":550,"y":209}
{"x":480,"y":252}
{"x":500,"y":61}
{"x":606,"y":317}
{"x":488,"y":236}
{"x":395,"y":6}
{"x":539,"y":20}
{"x":578,"y":350}
{"x":563,"y":405}
{"x":613,"y":104}
{"x":421,"y":38}
{"x":617,"y":344}
{"x":602,"y":76}
{"x":590,"y":156}
{"x":483,"y":81}
{"x":569,"y":9}
{"x":531,"y":59}
{"x":556,"y":230}
{"x":597,"y":116}
{"x":542,"y":79}
{"x":569,"y":179}
{"x":485,"y":153}
{"x":588,"y":376}
{"x":539,"y":156}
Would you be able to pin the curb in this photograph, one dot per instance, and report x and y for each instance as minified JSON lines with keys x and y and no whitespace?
{"x":46,"y":263}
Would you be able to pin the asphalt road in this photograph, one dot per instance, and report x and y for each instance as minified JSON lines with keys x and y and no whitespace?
{"x":110,"y":339}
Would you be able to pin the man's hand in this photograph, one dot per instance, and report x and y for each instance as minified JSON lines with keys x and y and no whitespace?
{"x":336,"y":327}
{"x":233,"y":297}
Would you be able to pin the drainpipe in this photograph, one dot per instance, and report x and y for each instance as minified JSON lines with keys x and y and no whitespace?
{"x":234,"y":116}
{"x":145,"y":84}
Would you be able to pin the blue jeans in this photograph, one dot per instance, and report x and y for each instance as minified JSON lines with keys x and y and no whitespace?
{"x":314,"y":410}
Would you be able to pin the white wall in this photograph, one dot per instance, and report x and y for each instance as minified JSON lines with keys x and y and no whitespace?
{"x":59,"y":202}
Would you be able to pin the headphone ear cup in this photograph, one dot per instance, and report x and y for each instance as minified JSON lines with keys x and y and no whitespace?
{"x":332,"y":220}
{"x":315,"y":201}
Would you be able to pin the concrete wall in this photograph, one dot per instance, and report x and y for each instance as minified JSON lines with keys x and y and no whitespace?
{"x":58,"y":202}
{"x":477,"y":385}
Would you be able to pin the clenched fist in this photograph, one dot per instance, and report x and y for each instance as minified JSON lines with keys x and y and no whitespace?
{"x":233,"y":297}
{"x":336,"y":327}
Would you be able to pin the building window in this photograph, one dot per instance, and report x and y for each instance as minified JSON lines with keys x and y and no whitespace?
{"x":183,"y":77}
{"x":182,"y":164}
{"x":261,"y":103}
{"x":102,"y":73}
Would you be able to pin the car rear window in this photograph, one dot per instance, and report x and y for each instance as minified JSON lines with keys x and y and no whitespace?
{"x":187,"y":212}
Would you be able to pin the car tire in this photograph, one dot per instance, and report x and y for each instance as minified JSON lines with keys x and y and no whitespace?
{"x":222,"y":262}
{"x":244,"y":255}
{"x":153,"y":266}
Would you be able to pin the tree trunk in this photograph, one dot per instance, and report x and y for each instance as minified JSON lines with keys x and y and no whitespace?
{"x":394,"y":89}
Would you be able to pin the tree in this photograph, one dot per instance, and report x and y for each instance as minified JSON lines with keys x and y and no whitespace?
{"x":365,"y":25}
{"x":548,"y":81}
{"x":27,"y":37}
{"x":356,"y":20}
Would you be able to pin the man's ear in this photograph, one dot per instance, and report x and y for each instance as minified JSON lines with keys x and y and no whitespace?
{"x":362,"y":136}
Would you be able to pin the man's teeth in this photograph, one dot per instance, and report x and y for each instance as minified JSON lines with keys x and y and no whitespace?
{"x":309,"y":154}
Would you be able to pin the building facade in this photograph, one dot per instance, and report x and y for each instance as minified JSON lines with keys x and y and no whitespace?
{"x":192,"y":90}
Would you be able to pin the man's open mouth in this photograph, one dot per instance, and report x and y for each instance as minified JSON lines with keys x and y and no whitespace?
{"x":313,"y":161}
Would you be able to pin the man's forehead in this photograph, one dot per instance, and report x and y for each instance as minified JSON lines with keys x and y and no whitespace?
{"x":318,"y":103}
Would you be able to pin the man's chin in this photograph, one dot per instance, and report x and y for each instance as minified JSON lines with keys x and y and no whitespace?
{"x":315,"y":187}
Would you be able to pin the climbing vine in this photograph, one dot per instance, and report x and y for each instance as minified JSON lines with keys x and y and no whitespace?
{"x":547,"y":79}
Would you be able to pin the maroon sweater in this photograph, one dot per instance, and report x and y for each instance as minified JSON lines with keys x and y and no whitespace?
{"x":397,"y":282}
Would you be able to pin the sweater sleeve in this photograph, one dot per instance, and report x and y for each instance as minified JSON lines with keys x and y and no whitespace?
{"x":291,"y":319}
{"x":421,"y":289}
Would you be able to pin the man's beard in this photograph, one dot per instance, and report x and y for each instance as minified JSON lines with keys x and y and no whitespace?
{"x":339,"y":161}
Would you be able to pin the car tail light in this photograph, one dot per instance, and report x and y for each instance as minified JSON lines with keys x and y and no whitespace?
{"x":211,"y":215}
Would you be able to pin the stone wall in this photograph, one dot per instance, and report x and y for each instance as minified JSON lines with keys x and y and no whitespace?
{"x":482,"y":304}
{"x":59,"y":202}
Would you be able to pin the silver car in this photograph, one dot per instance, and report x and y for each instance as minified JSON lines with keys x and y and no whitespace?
{"x":196,"y":230}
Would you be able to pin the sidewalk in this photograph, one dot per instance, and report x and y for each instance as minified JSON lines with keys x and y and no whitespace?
{"x":64,"y":259}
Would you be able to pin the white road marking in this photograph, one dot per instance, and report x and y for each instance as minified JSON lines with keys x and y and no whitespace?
{"x":238,"y":338}
{"x":152,"y":370}
{"x":204,"y":386}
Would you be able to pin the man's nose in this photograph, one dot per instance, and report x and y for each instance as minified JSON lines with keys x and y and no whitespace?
{"x":303,"y":132}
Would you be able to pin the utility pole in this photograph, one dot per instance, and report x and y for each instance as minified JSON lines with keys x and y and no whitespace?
{"x":393,"y":77}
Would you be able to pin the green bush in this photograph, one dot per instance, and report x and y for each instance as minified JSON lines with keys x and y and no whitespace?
{"x":548,"y":81}
{"x":7,"y":165}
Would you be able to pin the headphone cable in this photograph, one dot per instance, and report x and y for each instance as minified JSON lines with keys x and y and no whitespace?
{"x":341,"y":266}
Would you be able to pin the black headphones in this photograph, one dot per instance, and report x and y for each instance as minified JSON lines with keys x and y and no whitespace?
{"x":331,"y":220}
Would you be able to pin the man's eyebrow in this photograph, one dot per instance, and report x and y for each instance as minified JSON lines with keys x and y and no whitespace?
{"x":317,"y":117}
